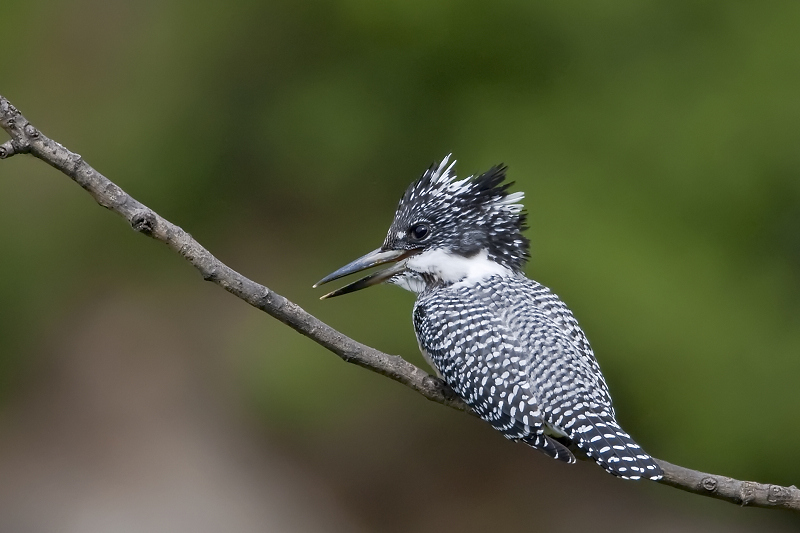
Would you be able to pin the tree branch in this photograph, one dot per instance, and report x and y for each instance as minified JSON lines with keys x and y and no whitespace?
{"x":25,"y":138}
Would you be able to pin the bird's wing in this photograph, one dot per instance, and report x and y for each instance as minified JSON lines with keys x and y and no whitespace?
{"x":478,"y":356}
{"x":572,"y":393}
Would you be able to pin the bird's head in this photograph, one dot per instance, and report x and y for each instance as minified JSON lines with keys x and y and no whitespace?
{"x":446,"y":231}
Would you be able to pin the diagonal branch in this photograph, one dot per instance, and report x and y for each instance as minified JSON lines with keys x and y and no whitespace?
{"x":25,"y":138}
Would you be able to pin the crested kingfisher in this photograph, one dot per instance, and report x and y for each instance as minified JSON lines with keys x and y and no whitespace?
{"x":505,"y":344}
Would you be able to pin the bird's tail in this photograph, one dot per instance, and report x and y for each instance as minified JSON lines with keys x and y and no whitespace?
{"x":550,"y":447}
{"x":604,"y":441}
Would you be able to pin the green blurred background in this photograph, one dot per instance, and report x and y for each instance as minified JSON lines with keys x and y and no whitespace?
{"x":658,"y":146}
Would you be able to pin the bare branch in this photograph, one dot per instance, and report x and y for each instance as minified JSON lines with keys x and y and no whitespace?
{"x":25,"y":138}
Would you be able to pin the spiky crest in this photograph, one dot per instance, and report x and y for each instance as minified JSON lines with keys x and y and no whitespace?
{"x":466,"y":216}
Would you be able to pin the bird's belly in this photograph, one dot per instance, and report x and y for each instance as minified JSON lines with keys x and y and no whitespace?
{"x":429,"y":360}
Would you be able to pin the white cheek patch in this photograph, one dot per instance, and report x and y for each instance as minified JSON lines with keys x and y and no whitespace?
{"x":451,"y":268}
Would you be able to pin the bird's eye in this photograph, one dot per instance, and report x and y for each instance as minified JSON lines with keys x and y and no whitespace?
{"x":419,"y":231}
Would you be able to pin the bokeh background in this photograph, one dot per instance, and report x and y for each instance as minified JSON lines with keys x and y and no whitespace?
{"x":657,"y":143}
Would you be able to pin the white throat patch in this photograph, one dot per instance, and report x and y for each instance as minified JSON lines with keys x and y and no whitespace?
{"x":451,"y":268}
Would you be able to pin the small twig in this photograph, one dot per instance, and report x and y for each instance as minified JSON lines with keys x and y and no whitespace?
{"x":25,"y":138}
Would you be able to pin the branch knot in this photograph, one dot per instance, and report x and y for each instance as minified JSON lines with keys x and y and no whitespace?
{"x":709,"y":483}
{"x":778,"y":494}
{"x":144,"y":222}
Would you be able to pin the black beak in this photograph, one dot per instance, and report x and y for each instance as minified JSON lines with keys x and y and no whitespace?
{"x":374,"y":258}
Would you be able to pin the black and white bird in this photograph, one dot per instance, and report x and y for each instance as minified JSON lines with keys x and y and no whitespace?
{"x":507,"y":345}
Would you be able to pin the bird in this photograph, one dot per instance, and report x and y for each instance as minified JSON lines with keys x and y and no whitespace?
{"x":508,"y":346}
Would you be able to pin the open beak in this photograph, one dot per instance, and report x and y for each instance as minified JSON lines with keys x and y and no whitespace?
{"x":374,"y":258}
